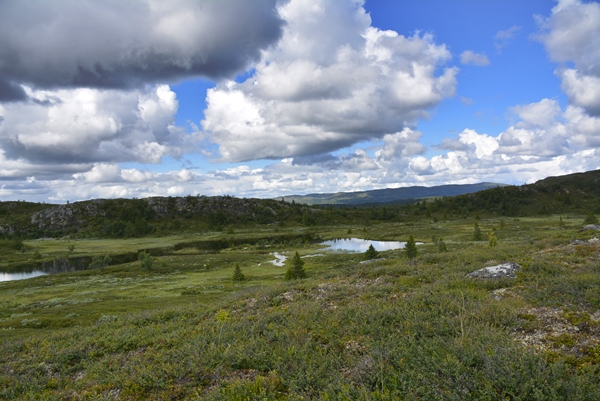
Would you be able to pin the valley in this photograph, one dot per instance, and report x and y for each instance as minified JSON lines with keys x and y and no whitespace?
{"x":394,"y":327}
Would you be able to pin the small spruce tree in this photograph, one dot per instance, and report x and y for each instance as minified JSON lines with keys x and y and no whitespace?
{"x":371,"y":253}
{"x":237,"y":273}
{"x":477,"y":233}
{"x":410,"y":249}
{"x":296,"y":269}
{"x":493,"y":240}
{"x":442,"y":245}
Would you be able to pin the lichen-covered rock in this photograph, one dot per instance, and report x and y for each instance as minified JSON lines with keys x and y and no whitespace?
{"x":594,"y":227}
{"x":590,"y":241}
{"x":367,"y":262}
{"x":504,"y":270}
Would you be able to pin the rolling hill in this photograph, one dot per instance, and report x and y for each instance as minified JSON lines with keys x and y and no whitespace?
{"x":390,"y":195}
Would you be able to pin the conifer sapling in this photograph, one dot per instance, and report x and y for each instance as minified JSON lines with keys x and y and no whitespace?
{"x":296,"y":270}
{"x":371,"y":253}
{"x":410,"y":248}
{"x":237,"y":273}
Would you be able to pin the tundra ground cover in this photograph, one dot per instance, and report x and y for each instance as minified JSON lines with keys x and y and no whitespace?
{"x":396,"y":328}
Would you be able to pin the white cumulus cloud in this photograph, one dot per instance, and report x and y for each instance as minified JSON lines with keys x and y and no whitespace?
{"x":572,"y":35}
{"x":331,"y":81}
{"x":85,"y":126}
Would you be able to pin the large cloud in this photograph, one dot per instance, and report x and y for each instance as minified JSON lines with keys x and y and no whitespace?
{"x":125,"y":44}
{"x":82,"y":126}
{"x":572,"y":35}
{"x":332,"y":81}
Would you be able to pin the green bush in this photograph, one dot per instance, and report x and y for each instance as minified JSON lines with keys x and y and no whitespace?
{"x":237,"y":273}
{"x":442,"y":245}
{"x":371,"y":253}
{"x":477,"y":236}
{"x":296,"y":269}
{"x":493,"y":240}
{"x":590,"y":219}
{"x":410,"y":249}
{"x":100,"y":262}
{"x":146,"y":260}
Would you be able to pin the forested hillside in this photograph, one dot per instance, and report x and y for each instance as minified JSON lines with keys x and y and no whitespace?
{"x":126,"y":218}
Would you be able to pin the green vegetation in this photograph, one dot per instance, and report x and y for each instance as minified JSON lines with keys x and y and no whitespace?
{"x":590,"y":219}
{"x":296,"y":269}
{"x":396,"y":328}
{"x":477,"y":235}
{"x":441,"y":245}
{"x":410,"y":249}
{"x":237,"y":273}
{"x":371,"y":253}
{"x":100,"y":262}
{"x":146,"y":260}
{"x":492,"y":239}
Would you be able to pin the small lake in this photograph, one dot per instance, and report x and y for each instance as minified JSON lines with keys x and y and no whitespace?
{"x":361,"y":245}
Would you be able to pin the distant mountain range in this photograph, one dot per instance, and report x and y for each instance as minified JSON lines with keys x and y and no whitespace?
{"x":390,"y":195}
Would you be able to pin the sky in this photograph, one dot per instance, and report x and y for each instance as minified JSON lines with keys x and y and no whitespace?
{"x":268,"y":98}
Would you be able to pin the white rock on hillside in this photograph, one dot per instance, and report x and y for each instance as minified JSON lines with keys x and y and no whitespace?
{"x":594,"y":227}
{"x":499,"y":271}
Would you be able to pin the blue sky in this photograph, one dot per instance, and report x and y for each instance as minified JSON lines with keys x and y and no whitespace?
{"x":268,"y":98}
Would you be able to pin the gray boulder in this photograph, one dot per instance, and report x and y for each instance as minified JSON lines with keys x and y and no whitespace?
{"x":594,"y":227}
{"x":504,"y":270}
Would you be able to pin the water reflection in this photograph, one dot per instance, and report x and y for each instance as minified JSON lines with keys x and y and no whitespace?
{"x":21,"y":276}
{"x":361,"y":245}
{"x":279,"y":259}
{"x":60,"y":265}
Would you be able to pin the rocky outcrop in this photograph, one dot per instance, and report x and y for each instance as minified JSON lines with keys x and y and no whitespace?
{"x":204,"y":205}
{"x":66,"y":216}
{"x":594,"y":227}
{"x":504,"y":270}
{"x":216,"y":210}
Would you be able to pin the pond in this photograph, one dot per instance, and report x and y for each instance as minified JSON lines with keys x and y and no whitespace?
{"x":60,"y":265}
{"x":279,"y":259}
{"x":20,"y":276}
{"x":361,"y":245}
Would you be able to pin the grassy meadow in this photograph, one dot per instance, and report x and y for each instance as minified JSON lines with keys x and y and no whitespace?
{"x":391,"y":329}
